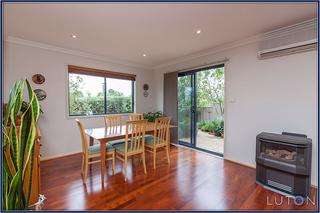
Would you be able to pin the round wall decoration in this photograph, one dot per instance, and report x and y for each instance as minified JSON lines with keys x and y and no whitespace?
{"x":38,"y":79}
{"x":145,"y":93}
{"x":145,"y":88}
{"x":41,"y":94}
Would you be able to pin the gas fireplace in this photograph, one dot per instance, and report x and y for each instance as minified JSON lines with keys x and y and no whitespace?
{"x":284,"y":162}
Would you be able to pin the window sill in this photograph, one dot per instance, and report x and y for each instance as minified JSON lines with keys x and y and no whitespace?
{"x":70,"y":117}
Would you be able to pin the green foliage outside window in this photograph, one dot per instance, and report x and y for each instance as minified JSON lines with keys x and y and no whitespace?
{"x":88,"y":104}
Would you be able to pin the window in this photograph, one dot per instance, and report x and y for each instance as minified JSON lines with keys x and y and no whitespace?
{"x":97,"y":92}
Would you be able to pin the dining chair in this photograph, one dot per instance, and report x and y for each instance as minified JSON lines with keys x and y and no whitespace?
{"x":135,"y":116}
{"x":133,"y":145}
{"x":113,"y":125}
{"x":93,"y":151}
{"x":160,"y":138}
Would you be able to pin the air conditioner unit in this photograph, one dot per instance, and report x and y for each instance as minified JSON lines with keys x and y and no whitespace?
{"x":297,"y":38}
{"x":288,"y":49}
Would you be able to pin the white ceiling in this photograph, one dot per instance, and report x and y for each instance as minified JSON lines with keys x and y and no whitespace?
{"x":162,"y":31}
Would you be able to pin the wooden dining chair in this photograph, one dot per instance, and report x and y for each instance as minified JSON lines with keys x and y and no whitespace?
{"x":93,"y":151}
{"x":160,"y":138}
{"x":135,"y":117}
{"x":133,"y":145}
{"x":113,"y":123}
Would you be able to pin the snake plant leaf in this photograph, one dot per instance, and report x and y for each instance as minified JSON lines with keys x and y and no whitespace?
{"x":13,"y":190}
{"x":15,"y":147}
{"x":34,"y":103}
{"x":29,"y":145}
{"x":5,"y":167}
{"x":30,"y":176}
{"x":24,"y":134}
{"x":14,"y":112}
{"x":17,"y":100}
{"x":9,"y":104}
{"x":35,"y":111}
{"x":5,"y":188}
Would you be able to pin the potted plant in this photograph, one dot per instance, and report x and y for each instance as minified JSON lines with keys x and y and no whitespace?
{"x":218,"y":126}
{"x":152,"y":116}
{"x":18,"y":146}
{"x":24,"y":107}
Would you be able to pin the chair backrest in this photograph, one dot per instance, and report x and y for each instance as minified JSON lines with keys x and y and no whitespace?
{"x":113,"y":123}
{"x":83,"y":137}
{"x":161,"y":130}
{"x":135,"y":117}
{"x":135,"y":133}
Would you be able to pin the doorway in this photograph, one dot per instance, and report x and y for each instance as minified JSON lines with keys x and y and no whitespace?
{"x":201,"y":109}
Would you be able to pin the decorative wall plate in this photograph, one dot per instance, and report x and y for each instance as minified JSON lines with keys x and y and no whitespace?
{"x":38,"y":79}
{"x":145,"y":87}
{"x":41,"y":94}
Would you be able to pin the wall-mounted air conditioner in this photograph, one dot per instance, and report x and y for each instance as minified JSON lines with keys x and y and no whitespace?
{"x":288,"y":49}
{"x":289,"y":40}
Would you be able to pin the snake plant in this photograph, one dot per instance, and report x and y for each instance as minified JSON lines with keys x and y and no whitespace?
{"x":18,"y":147}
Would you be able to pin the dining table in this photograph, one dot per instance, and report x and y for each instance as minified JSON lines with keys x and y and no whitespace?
{"x":103,"y":135}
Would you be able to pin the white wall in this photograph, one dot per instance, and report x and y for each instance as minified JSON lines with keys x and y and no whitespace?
{"x":60,"y":135}
{"x":272,"y":95}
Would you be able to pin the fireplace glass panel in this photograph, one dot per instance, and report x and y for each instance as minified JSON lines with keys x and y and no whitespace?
{"x":284,"y":153}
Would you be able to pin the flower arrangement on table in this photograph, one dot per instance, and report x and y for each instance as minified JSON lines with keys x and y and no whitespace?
{"x":152,"y":116}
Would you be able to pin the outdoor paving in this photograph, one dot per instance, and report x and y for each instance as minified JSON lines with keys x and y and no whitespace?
{"x":208,"y":142}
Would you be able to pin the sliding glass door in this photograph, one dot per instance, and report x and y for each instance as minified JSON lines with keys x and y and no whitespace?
{"x":185,"y":106}
{"x":201,"y":109}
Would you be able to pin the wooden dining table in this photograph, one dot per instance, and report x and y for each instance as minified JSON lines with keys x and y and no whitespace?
{"x":104,"y":136}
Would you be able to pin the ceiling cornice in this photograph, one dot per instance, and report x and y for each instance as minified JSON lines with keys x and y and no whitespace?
{"x":280,"y":32}
{"x":309,"y":24}
{"x":15,"y":40}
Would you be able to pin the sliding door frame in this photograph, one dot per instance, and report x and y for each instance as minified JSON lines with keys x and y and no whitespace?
{"x":193,"y":110}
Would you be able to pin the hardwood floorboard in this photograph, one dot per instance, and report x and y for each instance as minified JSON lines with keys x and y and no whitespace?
{"x":193,"y":181}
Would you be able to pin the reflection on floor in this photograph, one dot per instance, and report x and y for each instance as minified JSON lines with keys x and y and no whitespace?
{"x":193,"y":181}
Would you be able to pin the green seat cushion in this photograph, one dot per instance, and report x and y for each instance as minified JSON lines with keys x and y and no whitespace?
{"x":116,"y":141}
{"x":121,"y":146}
{"x":96,"y":148}
{"x":149,"y":140}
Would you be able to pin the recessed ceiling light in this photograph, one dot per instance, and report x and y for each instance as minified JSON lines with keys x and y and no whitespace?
{"x":144,"y":55}
{"x":74,"y":36}
{"x":198,"y":31}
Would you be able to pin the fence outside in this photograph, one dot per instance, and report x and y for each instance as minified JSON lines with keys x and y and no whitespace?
{"x":207,"y":113}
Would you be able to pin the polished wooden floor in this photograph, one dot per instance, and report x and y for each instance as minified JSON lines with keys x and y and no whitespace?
{"x":193,"y":181}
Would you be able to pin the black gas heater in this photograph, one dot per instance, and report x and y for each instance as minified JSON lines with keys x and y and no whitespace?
{"x":284,"y":162}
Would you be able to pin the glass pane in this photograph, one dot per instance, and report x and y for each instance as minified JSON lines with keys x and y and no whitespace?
{"x":86,"y":94}
{"x":184,"y":108}
{"x":210,"y":109}
{"x":119,"y":95}
{"x":280,"y":152}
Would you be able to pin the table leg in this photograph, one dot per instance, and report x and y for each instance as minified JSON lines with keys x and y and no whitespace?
{"x":91,"y":141}
{"x":169,"y":141}
{"x":103,"y":161}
